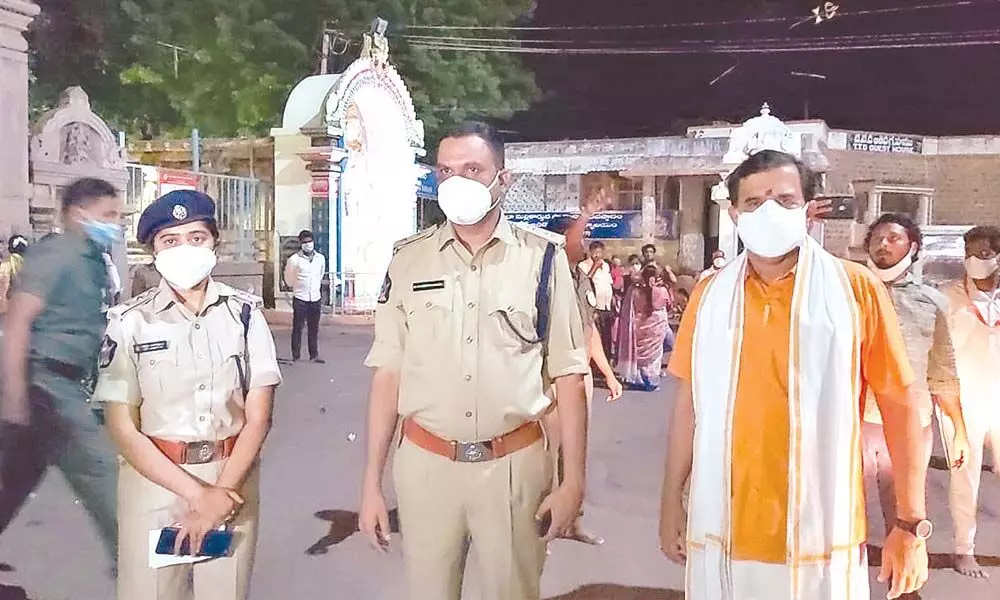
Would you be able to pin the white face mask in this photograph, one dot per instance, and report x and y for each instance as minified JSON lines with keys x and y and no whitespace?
{"x":772,"y":230}
{"x":894,"y":272}
{"x":307,"y":247}
{"x":466,"y":201}
{"x":718,"y":263}
{"x":981,"y":268}
{"x":185,"y":266}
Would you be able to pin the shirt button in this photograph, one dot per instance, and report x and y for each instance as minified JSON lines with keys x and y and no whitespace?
{"x":197,"y":325}
{"x":428,"y":305}
{"x":201,"y":387}
{"x":468,"y":340}
{"x":202,"y":418}
{"x":469,"y":414}
{"x":468,"y":377}
{"x":472,"y":305}
{"x":474,"y":268}
{"x":152,"y":362}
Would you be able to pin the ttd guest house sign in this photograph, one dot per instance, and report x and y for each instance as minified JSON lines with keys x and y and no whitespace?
{"x":884,"y":143}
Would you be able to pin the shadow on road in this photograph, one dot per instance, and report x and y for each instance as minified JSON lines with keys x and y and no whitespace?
{"x":343,"y":524}
{"x":935,"y":561}
{"x":607,"y":591}
{"x":10,"y":592}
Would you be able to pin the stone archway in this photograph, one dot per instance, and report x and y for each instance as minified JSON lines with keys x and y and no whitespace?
{"x":67,"y":143}
{"x":15,"y":17}
{"x":362,"y":159}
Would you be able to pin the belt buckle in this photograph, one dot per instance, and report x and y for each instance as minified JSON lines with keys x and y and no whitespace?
{"x":473,"y":452}
{"x":199,"y":453}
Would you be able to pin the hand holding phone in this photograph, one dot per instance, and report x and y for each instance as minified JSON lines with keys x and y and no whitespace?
{"x":217,"y":543}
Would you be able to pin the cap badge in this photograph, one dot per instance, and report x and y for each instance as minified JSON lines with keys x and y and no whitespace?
{"x":180,"y":212}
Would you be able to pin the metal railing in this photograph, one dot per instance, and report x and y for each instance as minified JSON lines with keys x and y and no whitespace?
{"x":244,"y":206}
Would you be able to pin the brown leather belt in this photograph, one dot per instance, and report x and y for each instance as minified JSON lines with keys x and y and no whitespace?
{"x":195,"y":453}
{"x":473,"y":452}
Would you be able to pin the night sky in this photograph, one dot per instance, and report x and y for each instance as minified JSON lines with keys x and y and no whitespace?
{"x":933,"y":91}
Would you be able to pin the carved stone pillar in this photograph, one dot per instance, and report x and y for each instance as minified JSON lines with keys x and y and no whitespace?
{"x":691,"y":255}
{"x":15,"y":17}
{"x":648,"y":208}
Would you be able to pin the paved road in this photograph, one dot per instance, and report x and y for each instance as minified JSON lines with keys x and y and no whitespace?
{"x":308,"y":548}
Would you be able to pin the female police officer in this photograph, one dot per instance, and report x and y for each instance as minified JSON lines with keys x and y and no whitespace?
{"x":188,"y":372}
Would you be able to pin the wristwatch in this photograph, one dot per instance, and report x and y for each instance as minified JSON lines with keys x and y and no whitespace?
{"x":921,"y":529}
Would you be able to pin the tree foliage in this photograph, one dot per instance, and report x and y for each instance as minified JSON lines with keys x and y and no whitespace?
{"x":162,"y":67}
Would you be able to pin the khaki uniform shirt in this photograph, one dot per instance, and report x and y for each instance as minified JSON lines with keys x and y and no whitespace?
{"x":923,"y":320}
{"x":183,"y":370}
{"x":464,"y":374}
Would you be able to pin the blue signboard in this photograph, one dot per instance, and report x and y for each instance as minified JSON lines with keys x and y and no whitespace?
{"x":604,"y":225}
{"x":427,"y":186}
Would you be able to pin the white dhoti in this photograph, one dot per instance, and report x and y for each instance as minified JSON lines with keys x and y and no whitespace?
{"x":824,"y":560}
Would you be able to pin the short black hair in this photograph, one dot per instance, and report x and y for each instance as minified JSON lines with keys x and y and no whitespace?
{"x":649,"y":247}
{"x":904,"y":221}
{"x":984,"y":232}
{"x":633,"y":259}
{"x":305,"y":234}
{"x":768,"y":160}
{"x":596,"y":245}
{"x":559,"y":224}
{"x":483,"y":131}
{"x":86,"y":191}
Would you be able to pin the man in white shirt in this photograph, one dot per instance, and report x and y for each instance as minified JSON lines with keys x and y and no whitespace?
{"x":974,"y":307}
{"x":305,"y":273}
{"x":599,"y":272}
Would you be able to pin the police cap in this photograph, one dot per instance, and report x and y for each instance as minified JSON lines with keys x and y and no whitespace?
{"x":176,"y":208}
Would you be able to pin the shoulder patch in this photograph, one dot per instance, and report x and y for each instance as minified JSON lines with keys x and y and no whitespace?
{"x":383,"y":296}
{"x":544,"y":234}
{"x":108,"y":348}
{"x":135,"y":302}
{"x":255,"y":302}
{"x":416,"y":237}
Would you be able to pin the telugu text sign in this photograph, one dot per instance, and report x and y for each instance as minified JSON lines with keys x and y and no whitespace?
{"x":885,"y":143}
{"x":604,"y":225}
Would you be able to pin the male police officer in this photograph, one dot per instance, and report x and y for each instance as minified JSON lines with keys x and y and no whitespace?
{"x":51,"y":344}
{"x":459,"y":357}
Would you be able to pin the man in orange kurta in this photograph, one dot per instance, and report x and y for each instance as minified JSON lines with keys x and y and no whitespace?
{"x":760,"y":418}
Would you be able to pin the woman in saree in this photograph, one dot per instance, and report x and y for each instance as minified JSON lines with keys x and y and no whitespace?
{"x":643,"y":328}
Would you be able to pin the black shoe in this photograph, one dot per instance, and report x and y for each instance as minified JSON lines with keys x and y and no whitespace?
{"x":317,"y":360}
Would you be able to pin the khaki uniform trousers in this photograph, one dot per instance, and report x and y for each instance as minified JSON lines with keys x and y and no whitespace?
{"x":444,"y":506}
{"x":144,"y":506}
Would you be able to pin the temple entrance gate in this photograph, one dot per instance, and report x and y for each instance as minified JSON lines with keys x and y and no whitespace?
{"x":359,"y":152}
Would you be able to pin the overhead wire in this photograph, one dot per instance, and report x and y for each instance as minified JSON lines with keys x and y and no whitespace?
{"x":748,"y":46}
{"x":693,"y":24}
{"x":800,"y":39}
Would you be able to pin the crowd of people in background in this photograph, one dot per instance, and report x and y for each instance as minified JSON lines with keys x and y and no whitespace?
{"x":638,"y":302}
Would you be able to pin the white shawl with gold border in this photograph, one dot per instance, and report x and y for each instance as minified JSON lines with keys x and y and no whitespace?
{"x":824,"y":381}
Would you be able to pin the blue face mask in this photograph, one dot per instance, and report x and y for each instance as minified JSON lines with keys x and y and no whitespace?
{"x":101,"y":233}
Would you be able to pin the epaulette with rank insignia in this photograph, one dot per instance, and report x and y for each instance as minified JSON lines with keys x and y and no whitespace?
{"x":255,"y":302}
{"x":420,"y":235}
{"x":545,"y":234}
{"x":132,"y":303}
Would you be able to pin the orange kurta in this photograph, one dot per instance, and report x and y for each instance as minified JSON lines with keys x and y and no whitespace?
{"x":760,"y":418}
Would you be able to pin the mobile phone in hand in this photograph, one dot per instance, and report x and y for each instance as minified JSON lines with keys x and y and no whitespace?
{"x":544,"y":524}
{"x":215,"y":545}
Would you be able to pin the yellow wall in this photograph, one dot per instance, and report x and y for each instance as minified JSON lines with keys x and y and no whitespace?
{"x":292,"y":185}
